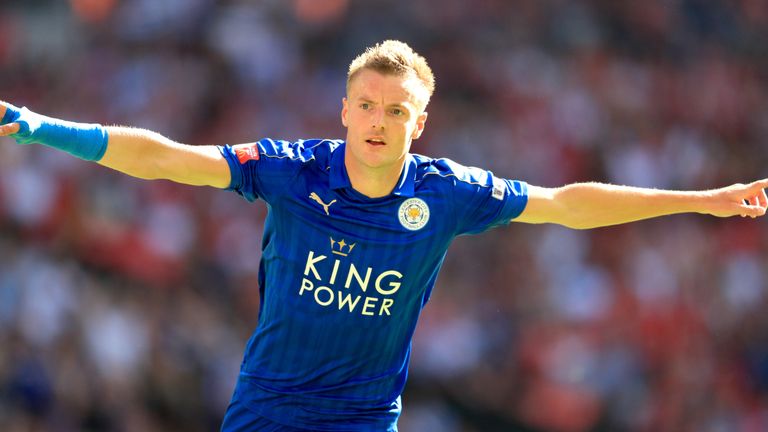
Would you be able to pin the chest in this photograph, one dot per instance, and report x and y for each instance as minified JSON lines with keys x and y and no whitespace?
{"x":382,"y":252}
{"x":394,"y":220}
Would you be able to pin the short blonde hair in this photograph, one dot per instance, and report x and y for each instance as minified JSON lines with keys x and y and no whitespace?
{"x":393,"y":57}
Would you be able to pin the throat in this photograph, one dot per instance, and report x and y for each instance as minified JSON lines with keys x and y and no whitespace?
{"x":372,"y":182}
{"x":374,"y":187}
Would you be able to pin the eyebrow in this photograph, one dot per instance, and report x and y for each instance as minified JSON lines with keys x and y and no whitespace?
{"x":365,"y":99}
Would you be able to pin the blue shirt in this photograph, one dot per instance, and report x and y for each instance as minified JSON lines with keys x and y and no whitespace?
{"x":343,"y":277}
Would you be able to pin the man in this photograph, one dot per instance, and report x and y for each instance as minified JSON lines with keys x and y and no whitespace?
{"x":356,"y":232}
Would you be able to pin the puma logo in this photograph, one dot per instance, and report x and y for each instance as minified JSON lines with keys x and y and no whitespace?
{"x":313,"y":196}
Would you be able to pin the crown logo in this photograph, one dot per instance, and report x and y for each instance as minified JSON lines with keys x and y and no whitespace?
{"x":341,"y":247}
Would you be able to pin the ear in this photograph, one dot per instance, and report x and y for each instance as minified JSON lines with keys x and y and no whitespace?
{"x":344,"y":111}
{"x":421,"y":121}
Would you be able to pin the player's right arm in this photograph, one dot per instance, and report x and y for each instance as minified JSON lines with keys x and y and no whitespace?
{"x":136,"y":152}
{"x":149,"y":155}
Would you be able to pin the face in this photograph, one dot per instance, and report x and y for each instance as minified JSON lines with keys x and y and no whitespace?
{"x":382,"y":114}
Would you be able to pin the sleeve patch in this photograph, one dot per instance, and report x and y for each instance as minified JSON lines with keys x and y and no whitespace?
{"x":246,"y":152}
{"x":498,"y":189}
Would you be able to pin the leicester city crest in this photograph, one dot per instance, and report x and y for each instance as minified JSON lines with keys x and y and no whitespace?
{"x":413,"y":214}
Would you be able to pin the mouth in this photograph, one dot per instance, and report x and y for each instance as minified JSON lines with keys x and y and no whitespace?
{"x":376,"y":142}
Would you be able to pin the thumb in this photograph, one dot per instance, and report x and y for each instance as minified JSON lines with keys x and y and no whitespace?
{"x":9,"y":129}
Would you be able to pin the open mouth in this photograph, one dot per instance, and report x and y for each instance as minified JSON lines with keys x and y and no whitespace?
{"x":375,"y":142}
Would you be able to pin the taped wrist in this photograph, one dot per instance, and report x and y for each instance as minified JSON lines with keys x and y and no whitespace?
{"x":84,"y":140}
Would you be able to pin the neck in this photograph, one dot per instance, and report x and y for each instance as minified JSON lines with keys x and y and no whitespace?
{"x":374,"y":182}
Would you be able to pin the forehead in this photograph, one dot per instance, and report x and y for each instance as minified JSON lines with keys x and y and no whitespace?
{"x":374,"y":85}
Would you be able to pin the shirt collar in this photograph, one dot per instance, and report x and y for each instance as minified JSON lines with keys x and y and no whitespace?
{"x":339,"y":179}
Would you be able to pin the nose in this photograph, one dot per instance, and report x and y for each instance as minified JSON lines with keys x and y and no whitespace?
{"x":377,"y":118}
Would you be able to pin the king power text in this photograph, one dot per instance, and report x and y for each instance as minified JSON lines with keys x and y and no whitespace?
{"x":348,"y":288}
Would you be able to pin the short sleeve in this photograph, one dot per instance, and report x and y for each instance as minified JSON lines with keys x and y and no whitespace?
{"x":264,"y":169}
{"x":484,"y":201}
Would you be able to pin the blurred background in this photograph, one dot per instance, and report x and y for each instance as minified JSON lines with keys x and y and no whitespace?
{"x":125,"y":305}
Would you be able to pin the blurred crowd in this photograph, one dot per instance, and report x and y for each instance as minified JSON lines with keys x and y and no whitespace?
{"x":125,"y":304}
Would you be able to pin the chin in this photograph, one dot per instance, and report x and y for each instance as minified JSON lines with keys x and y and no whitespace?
{"x":372,"y":159}
{"x":374,"y":163}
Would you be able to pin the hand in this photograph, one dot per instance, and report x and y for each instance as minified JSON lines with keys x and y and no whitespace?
{"x":6,"y":128}
{"x":740,"y":199}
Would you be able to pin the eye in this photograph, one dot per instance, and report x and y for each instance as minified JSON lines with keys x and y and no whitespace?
{"x":365,"y":106}
{"x":397,"y":111}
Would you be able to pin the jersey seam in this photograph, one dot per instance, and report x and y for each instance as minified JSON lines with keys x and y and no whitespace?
{"x":292,"y":179}
{"x":454,"y":176}
{"x":288,"y":157}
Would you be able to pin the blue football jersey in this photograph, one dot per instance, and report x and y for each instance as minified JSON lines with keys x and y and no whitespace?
{"x":343,"y":277}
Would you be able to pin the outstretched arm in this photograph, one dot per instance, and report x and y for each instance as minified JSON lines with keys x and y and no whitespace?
{"x":136,"y":152}
{"x":149,"y":155}
{"x":592,"y":205}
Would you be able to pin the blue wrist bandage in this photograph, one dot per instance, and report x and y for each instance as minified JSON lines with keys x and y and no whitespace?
{"x":86,"y":141}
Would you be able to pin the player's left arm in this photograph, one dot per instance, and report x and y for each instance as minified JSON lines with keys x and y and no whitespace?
{"x":592,"y":205}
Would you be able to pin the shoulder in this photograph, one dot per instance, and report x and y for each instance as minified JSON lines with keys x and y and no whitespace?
{"x":304,"y":151}
{"x":447,"y":172}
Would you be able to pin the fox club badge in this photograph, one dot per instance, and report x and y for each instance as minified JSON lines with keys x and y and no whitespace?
{"x":413,"y":214}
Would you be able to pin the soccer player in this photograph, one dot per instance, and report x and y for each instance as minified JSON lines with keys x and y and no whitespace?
{"x":356,"y":232}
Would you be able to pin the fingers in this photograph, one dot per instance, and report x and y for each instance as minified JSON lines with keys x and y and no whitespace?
{"x":7,"y":113}
{"x":758,"y":185}
{"x":750,"y":211}
{"x":755,"y":199}
{"x":753,"y":211}
{"x":8,"y":129}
